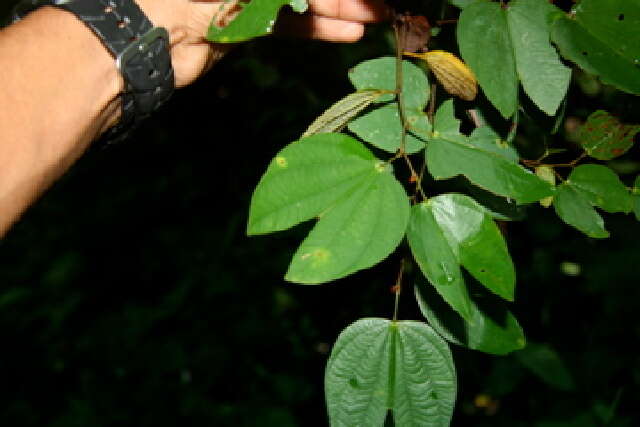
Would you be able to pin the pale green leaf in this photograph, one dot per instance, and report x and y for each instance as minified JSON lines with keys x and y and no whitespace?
{"x":382,"y":128}
{"x":377,"y":364}
{"x":544,"y":78}
{"x":491,"y":328}
{"x":380,"y":73}
{"x":602,"y":187}
{"x":339,"y":114}
{"x":575,"y":209}
{"x":486,"y":139}
{"x":445,"y":122}
{"x":485,"y":45}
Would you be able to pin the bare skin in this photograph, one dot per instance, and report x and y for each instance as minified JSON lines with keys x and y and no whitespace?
{"x":60,"y":86}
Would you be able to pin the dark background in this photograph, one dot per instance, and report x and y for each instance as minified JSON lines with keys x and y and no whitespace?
{"x":130,"y":295}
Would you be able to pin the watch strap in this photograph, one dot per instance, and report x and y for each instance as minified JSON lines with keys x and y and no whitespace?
{"x":140,"y":49}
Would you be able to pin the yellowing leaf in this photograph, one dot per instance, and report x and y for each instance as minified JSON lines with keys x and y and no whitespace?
{"x":451,"y":72}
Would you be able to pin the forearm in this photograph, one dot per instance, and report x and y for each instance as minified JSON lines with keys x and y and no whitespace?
{"x":59,"y":92}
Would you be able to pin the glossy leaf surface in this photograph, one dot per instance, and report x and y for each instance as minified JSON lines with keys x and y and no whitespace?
{"x":491,"y":328}
{"x":437,"y":260}
{"x":377,"y":364}
{"x":604,"y":137}
{"x":474,"y":242}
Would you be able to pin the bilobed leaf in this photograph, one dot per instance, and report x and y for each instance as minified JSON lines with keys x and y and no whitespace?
{"x":544,"y":78}
{"x":339,"y":114}
{"x":380,"y":73}
{"x":602,"y":187}
{"x":476,"y":241}
{"x":603,"y":136}
{"x":485,"y":45}
{"x":491,"y":328}
{"x":545,"y":363}
{"x":306,"y":178}
{"x":437,"y":260}
{"x":363,"y":210}
{"x":377,"y":364}
{"x":595,"y":56}
{"x":256,"y":19}
{"x":358,"y":231}
{"x":574,"y":208}
{"x":449,"y":154}
{"x":382,"y":128}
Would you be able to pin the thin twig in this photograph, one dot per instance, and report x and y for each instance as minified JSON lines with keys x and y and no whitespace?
{"x":397,"y":289}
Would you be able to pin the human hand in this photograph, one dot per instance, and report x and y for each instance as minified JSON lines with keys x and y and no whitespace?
{"x":187,"y":22}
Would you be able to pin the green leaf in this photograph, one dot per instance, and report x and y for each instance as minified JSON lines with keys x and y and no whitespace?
{"x":491,"y":327}
{"x":575,"y":209}
{"x":377,"y":364}
{"x":436,"y":259}
{"x":450,"y":154}
{"x":486,"y":139}
{"x":305,"y":179}
{"x":474,"y":241}
{"x":363,"y":210}
{"x":603,"y":136}
{"x":445,"y":122}
{"x":256,"y":19}
{"x":544,"y":79}
{"x":545,"y":363}
{"x":602,"y":187}
{"x":595,"y":56}
{"x":339,"y":114}
{"x":380,"y":73}
{"x":485,"y":45}
{"x":382,"y":128}
{"x":363,"y":228}
{"x":615,"y":22}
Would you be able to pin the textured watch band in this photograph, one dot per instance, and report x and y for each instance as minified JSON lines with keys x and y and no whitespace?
{"x":141,"y":53}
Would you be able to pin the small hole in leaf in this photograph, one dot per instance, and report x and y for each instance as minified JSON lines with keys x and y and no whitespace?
{"x":621,"y":17}
{"x":584,"y":52}
{"x":482,"y":270}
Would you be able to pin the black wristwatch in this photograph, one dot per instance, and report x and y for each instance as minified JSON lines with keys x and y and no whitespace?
{"x":141,"y":52}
